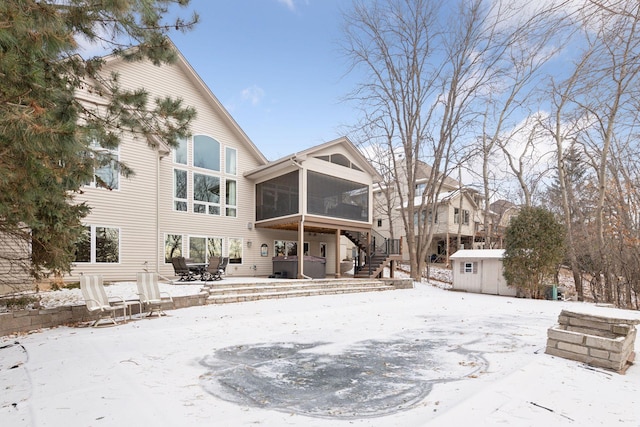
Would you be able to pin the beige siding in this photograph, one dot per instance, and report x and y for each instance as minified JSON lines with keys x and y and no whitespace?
{"x":143,"y":218}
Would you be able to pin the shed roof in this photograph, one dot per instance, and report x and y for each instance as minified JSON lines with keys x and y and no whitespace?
{"x":479,"y":253}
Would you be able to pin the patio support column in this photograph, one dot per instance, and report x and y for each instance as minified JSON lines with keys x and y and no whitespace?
{"x":301,"y":249}
{"x":337,"y":257}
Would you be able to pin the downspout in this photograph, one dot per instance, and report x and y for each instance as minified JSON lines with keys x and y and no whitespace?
{"x":301,"y":226}
{"x":158,"y":261}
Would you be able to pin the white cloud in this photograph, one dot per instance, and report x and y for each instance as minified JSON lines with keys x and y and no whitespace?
{"x":289,"y":3}
{"x":253,"y":94}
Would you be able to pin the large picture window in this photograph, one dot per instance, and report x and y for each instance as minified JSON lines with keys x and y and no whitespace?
{"x":206,"y":153}
{"x":337,"y":197}
{"x":203,"y":248}
{"x":206,"y":194}
{"x":277,"y":197}
{"x":99,"y":245}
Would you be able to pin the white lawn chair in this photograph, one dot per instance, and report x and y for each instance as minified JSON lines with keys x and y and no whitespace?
{"x":150,"y":296}
{"x":96,"y":300}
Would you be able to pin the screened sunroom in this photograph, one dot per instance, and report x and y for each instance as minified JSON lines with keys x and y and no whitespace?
{"x":325,"y":190}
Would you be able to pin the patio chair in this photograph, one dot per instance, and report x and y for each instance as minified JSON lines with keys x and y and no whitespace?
{"x":222,"y":268}
{"x":97,"y":301}
{"x":181,"y":269}
{"x":151,"y":298}
{"x":213,"y":269}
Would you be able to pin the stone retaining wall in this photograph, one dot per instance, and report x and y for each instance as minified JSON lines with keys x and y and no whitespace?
{"x":30,"y":320}
{"x":598,"y":341}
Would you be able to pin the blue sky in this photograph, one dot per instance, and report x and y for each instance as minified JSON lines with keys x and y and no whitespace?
{"x":276,"y":66}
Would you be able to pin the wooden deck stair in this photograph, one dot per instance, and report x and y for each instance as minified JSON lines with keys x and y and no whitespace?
{"x":221,"y":293}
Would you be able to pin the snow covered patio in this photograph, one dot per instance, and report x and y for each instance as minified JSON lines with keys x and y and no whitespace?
{"x":412,"y":357}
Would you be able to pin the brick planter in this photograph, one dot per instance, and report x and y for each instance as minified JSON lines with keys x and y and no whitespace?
{"x":600,"y":341}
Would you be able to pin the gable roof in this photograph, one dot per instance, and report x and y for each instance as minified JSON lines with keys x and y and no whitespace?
{"x":197,"y":81}
{"x":344,"y":142}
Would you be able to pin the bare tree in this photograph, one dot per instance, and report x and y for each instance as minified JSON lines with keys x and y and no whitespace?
{"x":611,"y":31}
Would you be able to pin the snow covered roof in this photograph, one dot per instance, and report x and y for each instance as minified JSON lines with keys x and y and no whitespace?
{"x":479,"y":253}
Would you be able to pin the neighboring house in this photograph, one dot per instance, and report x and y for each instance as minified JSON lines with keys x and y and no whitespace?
{"x":216,"y":194}
{"x":458,"y":214}
{"x":502,"y":211}
{"x":480,"y":271}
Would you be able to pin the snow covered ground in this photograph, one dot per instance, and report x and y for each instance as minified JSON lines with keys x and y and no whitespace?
{"x":416,"y":357}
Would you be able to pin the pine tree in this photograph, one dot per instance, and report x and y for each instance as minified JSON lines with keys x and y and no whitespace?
{"x":46,"y":134}
{"x":534,"y":249}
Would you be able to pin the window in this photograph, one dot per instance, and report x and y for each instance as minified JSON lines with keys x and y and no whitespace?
{"x":203,"y":248}
{"x":339,"y":159}
{"x":206,"y":153}
{"x":469,"y":267}
{"x":379,"y":223}
{"x":180,"y":152}
{"x":180,"y":190}
{"x":197,"y":249}
{"x":106,"y":173}
{"x":456,"y":216}
{"x":172,"y":247}
{"x":206,"y":194}
{"x":230,"y":161}
{"x":230,"y":198}
{"x":99,"y":245}
{"x":235,"y":251}
{"x":289,"y":248}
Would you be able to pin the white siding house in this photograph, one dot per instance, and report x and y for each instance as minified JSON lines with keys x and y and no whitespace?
{"x":200,"y":199}
{"x":480,"y":271}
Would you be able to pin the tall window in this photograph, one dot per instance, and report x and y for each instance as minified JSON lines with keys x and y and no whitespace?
{"x":230,"y":198}
{"x":206,"y":153}
{"x":180,"y":190}
{"x":197,"y":248}
{"x":172,"y":247}
{"x":206,"y":194}
{"x":180,"y":152}
{"x":99,"y":245}
{"x":230,"y":161}
{"x":106,"y":173}
{"x":235,"y":250}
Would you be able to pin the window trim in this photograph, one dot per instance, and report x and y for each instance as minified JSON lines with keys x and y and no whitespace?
{"x":202,"y":202}
{"x":227,"y":149}
{"x":178,"y":199}
{"x":115,"y":158}
{"x":93,"y":245}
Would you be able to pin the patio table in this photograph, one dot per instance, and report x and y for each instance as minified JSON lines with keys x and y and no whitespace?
{"x":197,"y":267}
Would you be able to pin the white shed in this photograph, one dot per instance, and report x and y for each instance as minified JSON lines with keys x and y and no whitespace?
{"x":480,"y":271}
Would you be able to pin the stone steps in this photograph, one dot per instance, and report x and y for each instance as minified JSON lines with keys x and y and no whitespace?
{"x":220,"y":293}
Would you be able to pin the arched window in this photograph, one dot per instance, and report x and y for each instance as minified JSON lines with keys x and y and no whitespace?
{"x":206,"y":153}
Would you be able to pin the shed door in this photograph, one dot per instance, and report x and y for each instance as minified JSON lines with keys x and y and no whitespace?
{"x":489,"y":278}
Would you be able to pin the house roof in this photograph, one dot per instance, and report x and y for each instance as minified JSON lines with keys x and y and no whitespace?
{"x":309,"y":152}
{"x":478,"y":253}
{"x":193,"y":76}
